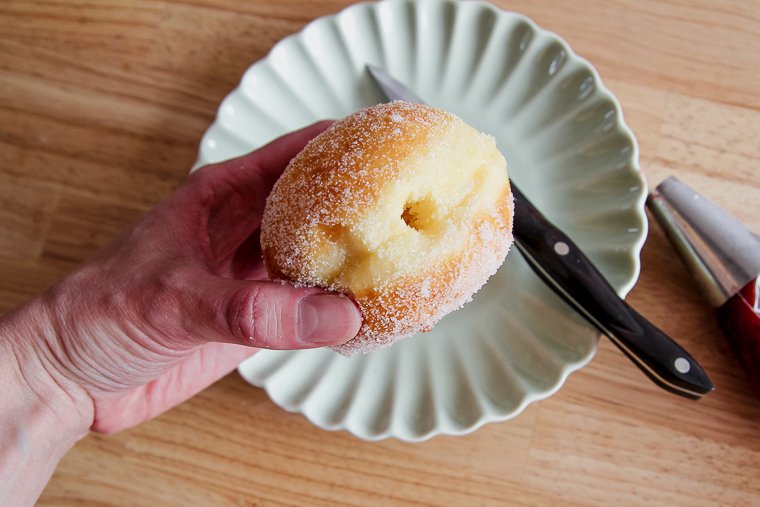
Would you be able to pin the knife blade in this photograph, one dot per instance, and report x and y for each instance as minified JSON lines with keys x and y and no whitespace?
{"x":559,"y":262}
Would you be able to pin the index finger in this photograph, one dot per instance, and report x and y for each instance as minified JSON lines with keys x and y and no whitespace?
{"x":269,"y":161}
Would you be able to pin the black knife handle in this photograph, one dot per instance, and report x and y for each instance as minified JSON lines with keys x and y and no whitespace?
{"x":565,"y":268}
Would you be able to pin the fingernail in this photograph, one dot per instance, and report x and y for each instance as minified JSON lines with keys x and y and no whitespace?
{"x":327,"y":319}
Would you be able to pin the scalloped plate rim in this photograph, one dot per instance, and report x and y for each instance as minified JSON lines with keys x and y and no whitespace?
{"x":486,"y":418}
{"x":633,"y":250}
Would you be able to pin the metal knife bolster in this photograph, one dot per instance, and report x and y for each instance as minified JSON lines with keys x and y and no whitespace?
{"x":567,"y":270}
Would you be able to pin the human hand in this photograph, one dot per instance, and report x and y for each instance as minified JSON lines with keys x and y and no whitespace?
{"x":181,"y":298}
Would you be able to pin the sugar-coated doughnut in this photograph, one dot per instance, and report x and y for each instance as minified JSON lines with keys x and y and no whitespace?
{"x":404,"y":207}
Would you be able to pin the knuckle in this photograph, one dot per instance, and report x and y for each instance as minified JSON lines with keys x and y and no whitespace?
{"x":261,"y":318}
{"x":244,"y":314}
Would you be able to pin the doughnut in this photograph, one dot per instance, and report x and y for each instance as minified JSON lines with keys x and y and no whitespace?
{"x":403,"y":207}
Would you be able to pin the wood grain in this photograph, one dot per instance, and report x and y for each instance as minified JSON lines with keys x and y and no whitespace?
{"x":102,"y":105}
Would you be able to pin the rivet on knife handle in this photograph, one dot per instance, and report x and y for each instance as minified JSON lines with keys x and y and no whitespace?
{"x":565,"y":268}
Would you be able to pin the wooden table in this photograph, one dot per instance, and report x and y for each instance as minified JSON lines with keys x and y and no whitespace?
{"x":101,"y":109}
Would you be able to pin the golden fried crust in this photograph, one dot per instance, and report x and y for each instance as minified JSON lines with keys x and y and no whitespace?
{"x":404,"y":207}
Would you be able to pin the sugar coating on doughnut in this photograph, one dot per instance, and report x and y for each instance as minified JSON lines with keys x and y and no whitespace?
{"x":404,"y":207}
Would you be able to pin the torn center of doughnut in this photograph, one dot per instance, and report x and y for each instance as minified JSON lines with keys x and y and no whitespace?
{"x":418,"y":214}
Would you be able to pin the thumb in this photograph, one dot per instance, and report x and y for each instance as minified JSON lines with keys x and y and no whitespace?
{"x":273,"y":315}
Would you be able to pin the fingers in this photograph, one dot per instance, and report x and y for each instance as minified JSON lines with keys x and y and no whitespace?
{"x":233,"y":194}
{"x":260,"y":314}
{"x":272,"y":315}
{"x":273,"y":157}
{"x":270,"y":160}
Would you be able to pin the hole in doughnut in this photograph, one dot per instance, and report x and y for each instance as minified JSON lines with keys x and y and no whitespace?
{"x":418,"y":215}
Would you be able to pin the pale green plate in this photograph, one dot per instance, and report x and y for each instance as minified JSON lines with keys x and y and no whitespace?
{"x":566,"y":144}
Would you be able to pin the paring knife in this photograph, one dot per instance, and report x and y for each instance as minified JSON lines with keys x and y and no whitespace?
{"x":723,"y":254}
{"x":564,"y":267}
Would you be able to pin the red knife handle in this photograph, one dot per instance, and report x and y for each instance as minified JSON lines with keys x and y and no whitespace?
{"x":740,"y":322}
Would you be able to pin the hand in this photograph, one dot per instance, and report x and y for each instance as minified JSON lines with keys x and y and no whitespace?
{"x":181,"y":298}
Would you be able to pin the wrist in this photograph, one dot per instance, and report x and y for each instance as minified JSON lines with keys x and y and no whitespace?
{"x":44,"y":413}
